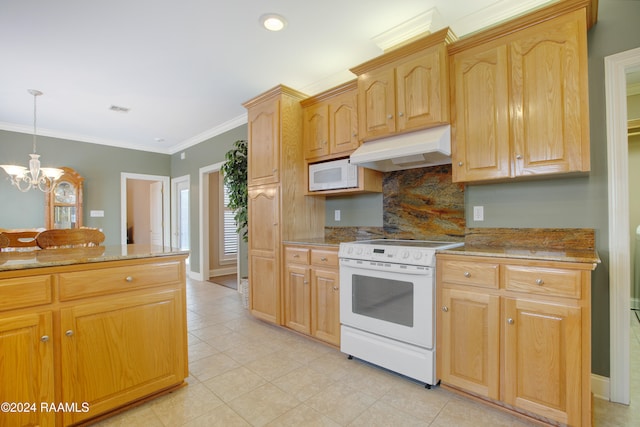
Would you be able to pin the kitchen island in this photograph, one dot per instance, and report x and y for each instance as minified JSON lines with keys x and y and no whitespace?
{"x":85,"y":332}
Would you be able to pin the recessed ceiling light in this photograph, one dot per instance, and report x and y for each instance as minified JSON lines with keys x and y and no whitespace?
{"x":273,"y":21}
{"x":159,"y":139}
{"x":119,"y":109}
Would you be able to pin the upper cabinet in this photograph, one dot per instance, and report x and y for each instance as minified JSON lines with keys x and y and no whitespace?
{"x":405,"y":89}
{"x":264,"y":152}
{"x":64,"y":203}
{"x":519,"y":97}
{"x":331,"y":123}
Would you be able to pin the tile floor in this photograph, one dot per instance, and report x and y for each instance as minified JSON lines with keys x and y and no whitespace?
{"x":244,"y":372}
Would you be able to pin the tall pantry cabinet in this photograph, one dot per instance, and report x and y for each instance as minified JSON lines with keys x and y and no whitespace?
{"x":278,"y":208}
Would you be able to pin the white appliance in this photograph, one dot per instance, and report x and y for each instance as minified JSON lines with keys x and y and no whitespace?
{"x":387,"y":299}
{"x":418,"y":149}
{"x":332,"y":175}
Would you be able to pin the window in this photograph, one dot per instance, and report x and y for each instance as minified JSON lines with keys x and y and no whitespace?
{"x":229,"y":240}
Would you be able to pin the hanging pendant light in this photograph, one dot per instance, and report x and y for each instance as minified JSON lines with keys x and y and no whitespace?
{"x":33,"y":177}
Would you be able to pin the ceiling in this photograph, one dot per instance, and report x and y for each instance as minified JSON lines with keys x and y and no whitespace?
{"x":184,"y":68}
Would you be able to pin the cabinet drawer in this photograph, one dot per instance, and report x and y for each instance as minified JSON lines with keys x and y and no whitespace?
{"x":25,"y":292}
{"x":544,"y":281}
{"x":103,"y":281}
{"x":328,"y":258}
{"x":471,"y":273}
{"x":297,"y":255}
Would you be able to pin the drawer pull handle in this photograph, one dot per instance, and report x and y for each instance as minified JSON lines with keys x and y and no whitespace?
{"x":445,"y":308}
{"x":335,"y":288}
{"x":296,"y":256}
{"x":510,"y":321}
{"x":44,"y":338}
{"x":324,"y":258}
{"x":467,"y":274}
{"x":539,"y":282}
{"x":69,"y":333}
{"x":129,"y":278}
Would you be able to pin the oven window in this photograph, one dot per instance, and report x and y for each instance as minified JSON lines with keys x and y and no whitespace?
{"x":383,"y":299}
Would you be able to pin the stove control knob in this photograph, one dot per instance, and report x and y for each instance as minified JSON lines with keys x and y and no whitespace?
{"x":350,"y":250}
{"x":359,"y":251}
{"x":405,"y":254}
{"x":417,"y":255}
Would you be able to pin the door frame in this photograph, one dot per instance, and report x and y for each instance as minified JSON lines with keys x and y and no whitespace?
{"x":166,"y":213}
{"x":203,"y":174}
{"x":616,"y":68}
{"x":175,"y":182}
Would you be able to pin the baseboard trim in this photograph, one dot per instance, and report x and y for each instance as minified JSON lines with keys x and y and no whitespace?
{"x":223,"y":271}
{"x":600,"y":386}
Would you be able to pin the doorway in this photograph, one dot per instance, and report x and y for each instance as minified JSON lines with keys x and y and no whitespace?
{"x":617,"y":67}
{"x":180,"y":213}
{"x":144,"y":209}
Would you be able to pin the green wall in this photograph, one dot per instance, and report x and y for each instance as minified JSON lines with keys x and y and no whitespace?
{"x":204,"y":154}
{"x":100,"y":166}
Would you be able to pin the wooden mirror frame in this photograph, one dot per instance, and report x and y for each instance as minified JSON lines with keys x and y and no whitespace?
{"x":75,"y":179}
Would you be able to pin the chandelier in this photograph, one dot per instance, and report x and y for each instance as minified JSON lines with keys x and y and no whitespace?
{"x":33,"y":177}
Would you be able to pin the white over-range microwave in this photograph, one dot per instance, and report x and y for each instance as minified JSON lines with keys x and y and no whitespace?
{"x":333,"y":175}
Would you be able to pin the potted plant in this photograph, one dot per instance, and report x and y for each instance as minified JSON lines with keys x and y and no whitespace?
{"x":234,"y":171}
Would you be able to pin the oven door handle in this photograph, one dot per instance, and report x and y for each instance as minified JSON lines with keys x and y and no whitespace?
{"x":386,"y":266}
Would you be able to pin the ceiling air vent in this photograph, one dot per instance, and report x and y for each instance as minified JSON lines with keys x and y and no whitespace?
{"x":119,"y":109}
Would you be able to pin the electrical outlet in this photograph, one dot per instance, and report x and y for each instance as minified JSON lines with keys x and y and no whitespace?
{"x":478,"y":213}
{"x":336,"y":215}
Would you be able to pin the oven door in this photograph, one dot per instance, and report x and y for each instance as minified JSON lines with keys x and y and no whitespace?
{"x":392,"y":300}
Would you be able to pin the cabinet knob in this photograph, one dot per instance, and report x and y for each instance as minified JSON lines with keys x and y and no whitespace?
{"x":296,"y":256}
{"x":460,"y":163}
{"x":518,"y":156}
{"x":324,"y":142}
{"x":401,"y":114}
{"x":69,"y":333}
{"x":275,"y":170}
{"x":467,"y":274}
{"x":44,"y":338}
{"x":335,"y":288}
{"x":539,"y":282}
{"x":129,"y":279}
{"x":324,"y":258}
{"x":445,"y":308}
{"x":305,"y":282}
{"x":354,"y":134}
{"x":510,"y":321}
{"x":390,"y":116}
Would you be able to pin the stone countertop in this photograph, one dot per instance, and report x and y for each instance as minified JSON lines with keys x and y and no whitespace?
{"x":540,"y":253}
{"x":548,"y":244}
{"x":19,"y":260}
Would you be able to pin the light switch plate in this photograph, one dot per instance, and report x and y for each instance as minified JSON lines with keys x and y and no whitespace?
{"x":95,"y":214}
{"x":478,"y":213}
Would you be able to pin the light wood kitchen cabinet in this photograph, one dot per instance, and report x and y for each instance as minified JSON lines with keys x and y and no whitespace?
{"x":405,"y":89}
{"x":278,"y":209}
{"x":27,"y":368}
{"x":98,"y":335}
{"x":331,"y":123}
{"x":517,"y":332}
{"x":519,"y":98}
{"x":148,"y":326}
{"x":312,"y":292}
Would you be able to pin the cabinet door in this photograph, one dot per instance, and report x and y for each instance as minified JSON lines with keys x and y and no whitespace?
{"x":480,"y":144}
{"x":325,"y":305}
{"x":542,"y":359}
{"x":549,"y":97}
{"x":264,"y":147}
{"x":377,"y":103}
{"x":264,"y":249}
{"x":316,"y":130}
{"x":468,"y":346}
{"x":343,"y":123}
{"x":26,"y":371}
{"x":297,"y":310}
{"x":120,"y":349}
{"x":422,"y":94}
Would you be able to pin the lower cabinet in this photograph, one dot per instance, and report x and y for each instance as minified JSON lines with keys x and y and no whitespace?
{"x":120,"y":349}
{"x":26,"y":370}
{"x":83,"y":340}
{"x":311,"y":292}
{"x":517,"y":332}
